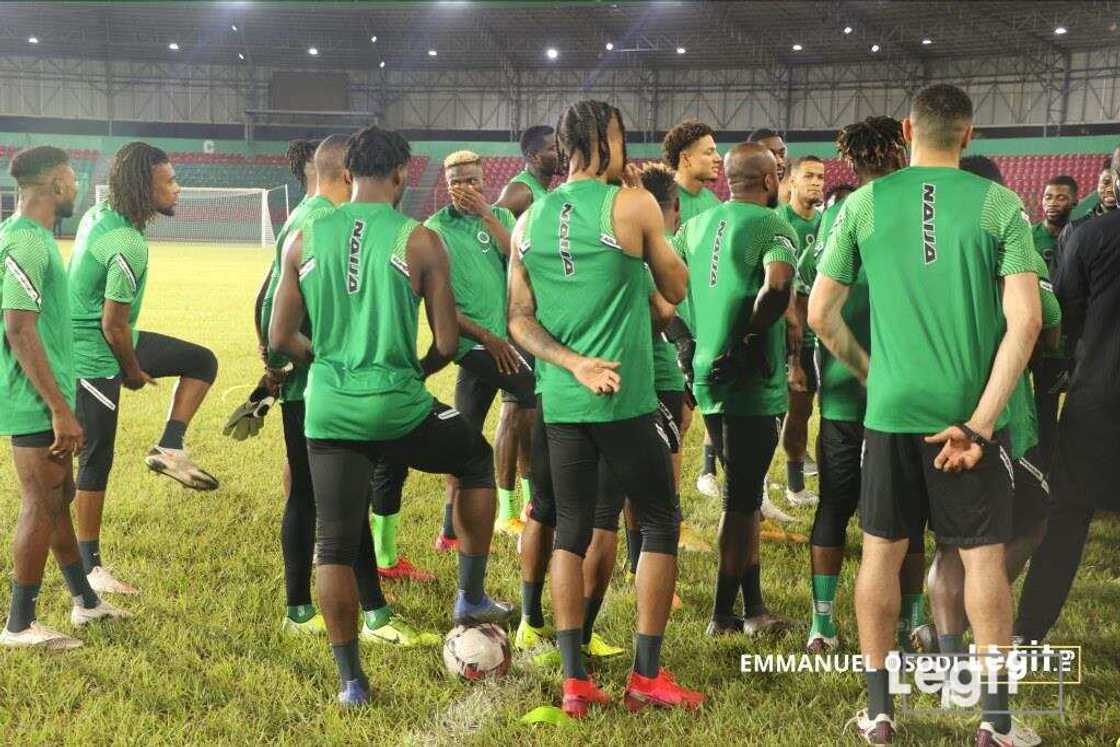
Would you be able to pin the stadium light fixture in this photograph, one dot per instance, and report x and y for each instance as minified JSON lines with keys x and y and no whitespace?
{"x":1060,"y":30}
{"x":926,"y":42}
{"x":233,"y":27}
{"x":313,"y":51}
{"x":681,"y":50}
{"x":847,"y":29}
{"x":173,"y":46}
{"x":875,"y":47}
{"x":32,"y":40}
{"x":610,"y":46}
{"x":433,"y":53}
{"x":381,"y":64}
{"x":797,"y":47}
{"x":241,"y":56}
{"x":373,"y":39}
{"x":551,"y":53}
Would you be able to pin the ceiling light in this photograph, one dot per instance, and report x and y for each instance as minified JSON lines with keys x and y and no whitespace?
{"x":610,"y":46}
{"x":874,"y":47}
{"x":233,"y":26}
{"x":681,"y":50}
{"x":432,"y":53}
{"x":173,"y":46}
{"x":241,"y":56}
{"x":927,"y":42}
{"x":373,"y":40}
{"x":32,"y":40}
{"x":551,"y":53}
{"x":1060,"y":30}
{"x":797,"y":47}
{"x":313,"y":51}
{"x":381,"y":64}
{"x":847,"y":29}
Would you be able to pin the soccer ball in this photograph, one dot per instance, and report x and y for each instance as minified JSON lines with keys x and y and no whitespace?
{"x":476,"y":652}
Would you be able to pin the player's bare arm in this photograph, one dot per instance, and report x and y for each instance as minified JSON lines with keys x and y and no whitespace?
{"x":114,"y":325}
{"x":430,"y":275}
{"x":641,"y":232}
{"x":825,"y":302}
{"x":515,"y":197}
{"x":287,"y":306}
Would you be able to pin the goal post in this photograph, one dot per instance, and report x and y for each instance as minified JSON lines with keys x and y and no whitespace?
{"x":220,"y":214}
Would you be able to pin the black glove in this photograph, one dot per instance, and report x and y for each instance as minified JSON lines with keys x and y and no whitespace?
{"x":744,"y":359}
{"x":667,"y":428}
{"x":247,"y":419}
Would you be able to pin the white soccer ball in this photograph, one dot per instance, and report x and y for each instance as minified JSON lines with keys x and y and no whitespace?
{"x":476,"y":652}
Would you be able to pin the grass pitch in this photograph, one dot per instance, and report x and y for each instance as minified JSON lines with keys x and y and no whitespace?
{"x":204,"y":662}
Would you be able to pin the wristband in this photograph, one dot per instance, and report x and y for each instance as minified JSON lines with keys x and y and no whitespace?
{"x":977,"y":438}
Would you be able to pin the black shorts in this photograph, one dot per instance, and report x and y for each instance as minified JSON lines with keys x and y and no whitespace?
{"x":39,"y":440}
{"x":1032,"y":496}
{"x":902,"y":492}
{"x":479,"y":380}
{"x":160,"y":356}
{"x":525,"y":402}
{"x":839,"y":448}
{"x":745,"y":445}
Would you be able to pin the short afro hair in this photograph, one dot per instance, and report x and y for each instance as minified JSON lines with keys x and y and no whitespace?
{"x":461,"y":158}
{"x":982,"y":166}
{"x":941,"y":113}
{"x":680,"y":138}
{"x":534,"y":139}
{"x":660,"y":181}
{"x":760,"y":134}
{"x":1064,"y":180}
{"x":873,"y":145}
{"x":806,"y":159}
{"x":377,"y":153}
{"x":31,"y":163}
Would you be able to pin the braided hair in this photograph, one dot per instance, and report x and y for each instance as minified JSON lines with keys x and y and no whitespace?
{"x":300,"y":153}
{"x":130,"y":182}
{"x":873,"y":146}
{"x":584,"y":124}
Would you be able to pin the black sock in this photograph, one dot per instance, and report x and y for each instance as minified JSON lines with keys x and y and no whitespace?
{"x":22,"y":612}
{"x":647,"y":654}
{"x":591,"y":607}
{"x":878,"y":693}
{"x":709,"y":460}
{"x":90,"y":550}
{"x":727,"y":591}
{"x":348,"y":661}
{"x":78,"y":585}
{"x":448,"y":524}
{"x":173,"y":433}
{"x":752,"y":592}
{"x":633,"y":548}
{"x":531,"y":592}
{"x":472,"y":576}
{"x":997,"y":701}
{"x":950,"y":644}
{"x":567,"y":641}
{"x":795,"y":476}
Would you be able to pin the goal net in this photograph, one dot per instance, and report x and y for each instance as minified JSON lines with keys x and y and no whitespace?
{"x":220,"y":214}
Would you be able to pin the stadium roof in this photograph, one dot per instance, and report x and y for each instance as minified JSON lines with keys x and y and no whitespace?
{"x":516,"y":35}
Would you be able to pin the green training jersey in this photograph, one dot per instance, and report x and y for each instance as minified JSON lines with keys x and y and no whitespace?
{"x":365,"y":382}
{"x":807,"y":232}
{"x":667,"y":376}
{"x":1022,"y":413}
{"x":934,"y":243}
{"x":727,"y":250}
{"x":692,"y":204}
{"x":33,"y":278}
{"x":109,"y":261}
{"x":592,"y":297}
{"x":526,"y":177}
{"x":308,"y":209}
{"x":842,"y":396}
{"x":1044,"y":243}
{"x":478,"y":270}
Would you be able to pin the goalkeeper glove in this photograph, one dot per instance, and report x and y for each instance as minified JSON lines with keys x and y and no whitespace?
{"x":247,"y":419}
{"x":742,"y":360}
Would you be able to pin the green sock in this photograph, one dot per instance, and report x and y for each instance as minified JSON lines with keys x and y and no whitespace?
{"x":385,"y":539}
{"x":301,"y":613}
{"x":526,"y":492}
{"x":378,"y":617}
{"x":824,"y":592}
{"x":505,"y":504}
{"x":911,"y":616}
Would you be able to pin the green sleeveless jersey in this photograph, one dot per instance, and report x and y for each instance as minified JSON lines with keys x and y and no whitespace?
{"x":934,"y":243}
{"x":524,"y":177}
{"x":478,"y":270}
{"x":727,"y":249}
{"x":692,"y":204}
{"x":33,"y":278}
{"x":110,"y":261}
{"x":308,"y":209}
{"x":592,"y":297}
{"x":365,"y":382}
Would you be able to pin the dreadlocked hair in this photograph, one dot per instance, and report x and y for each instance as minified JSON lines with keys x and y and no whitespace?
{"x":376,"y":153}
{"x":300,"y":152}
{"x":130,"y":182}
{"x":583,"y":125}
{"x":874,"y":144}
{"x":659,"y":180}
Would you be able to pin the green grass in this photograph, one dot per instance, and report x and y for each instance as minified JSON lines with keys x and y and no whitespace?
{"x":204,"y":662}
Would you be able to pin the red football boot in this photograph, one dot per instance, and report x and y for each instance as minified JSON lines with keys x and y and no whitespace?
{"x":662,"y":691}
{"x":405,"y":571}
{"x":579,"y":694}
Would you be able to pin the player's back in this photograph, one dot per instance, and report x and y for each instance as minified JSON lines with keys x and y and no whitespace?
{"x":590,"y":296}
{"x":365,"y":382}
{"x":724,"y":248}
{"x":934,"y":242}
